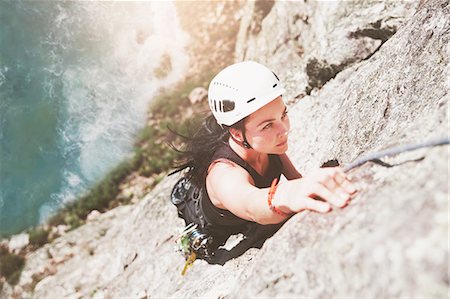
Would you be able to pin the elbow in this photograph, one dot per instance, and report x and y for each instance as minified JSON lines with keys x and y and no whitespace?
{"x":275,"y":219}
{"x":266,"y":222}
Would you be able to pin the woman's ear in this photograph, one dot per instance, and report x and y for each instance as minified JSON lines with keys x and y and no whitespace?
{"x":236,"y":134}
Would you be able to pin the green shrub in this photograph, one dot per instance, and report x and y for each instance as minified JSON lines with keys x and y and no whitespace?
{"x":164,"y":68}
{"x":38,"y":237}
{"x":168,"y":104}
{"x":11,"y":266}
{"x":98,"y":198}
{"x":56,"y":219}
{"x":35,"y":279}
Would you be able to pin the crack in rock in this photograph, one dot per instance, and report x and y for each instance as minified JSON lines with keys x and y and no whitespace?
{"x":320,"y":72}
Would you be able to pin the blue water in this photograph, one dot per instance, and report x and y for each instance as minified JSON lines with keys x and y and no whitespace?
{"x":76,"y":79}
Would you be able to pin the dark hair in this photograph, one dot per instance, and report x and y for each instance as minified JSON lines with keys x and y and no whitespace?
{"x":199,"y":148}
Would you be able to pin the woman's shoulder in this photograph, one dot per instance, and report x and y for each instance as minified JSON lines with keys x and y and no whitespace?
{"x":225,"y":152}
{"x":223,"y":179}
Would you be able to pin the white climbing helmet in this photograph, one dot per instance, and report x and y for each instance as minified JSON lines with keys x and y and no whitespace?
{"x":240,"y":89}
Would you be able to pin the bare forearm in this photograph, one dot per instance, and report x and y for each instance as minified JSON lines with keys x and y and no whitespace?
{"x":329,"y":185}
{"x":259,"y":211}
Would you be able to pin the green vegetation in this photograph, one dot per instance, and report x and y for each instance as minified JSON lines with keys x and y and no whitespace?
{"x":98,"y":198}
{"x":164,"y":68}
{"x":153,"y":156}
{"x":38,"y":237}
{"x":36,"y":278}
{"x":11,"y":265}
{"x":168,"y":103}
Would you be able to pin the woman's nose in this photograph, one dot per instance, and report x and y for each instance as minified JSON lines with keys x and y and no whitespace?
{"x":284,"y":131}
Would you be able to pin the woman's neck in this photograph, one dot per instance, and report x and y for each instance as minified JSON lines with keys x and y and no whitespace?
{"x":259,"y":161}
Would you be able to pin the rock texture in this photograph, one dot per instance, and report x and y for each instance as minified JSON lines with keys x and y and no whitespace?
{"x":197,"y":95}
{"x":212,"y":27}
{"x":309,"y":42}
{"x":390,"y":242}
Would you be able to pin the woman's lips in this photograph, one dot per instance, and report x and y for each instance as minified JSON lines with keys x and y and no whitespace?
{"x":282,"y":143}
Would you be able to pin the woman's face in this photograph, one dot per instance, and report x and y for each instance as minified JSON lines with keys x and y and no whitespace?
{"x":267,"y":129}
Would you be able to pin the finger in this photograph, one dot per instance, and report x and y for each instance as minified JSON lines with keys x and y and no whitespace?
{"x":335,"y":198}
{"x":330,"y":184}
{"x":317,"y":205}
{"x":348,"y":187}
{"x":344,"y":195}
{"x":323,"y":174}
{"x":339,"y":177}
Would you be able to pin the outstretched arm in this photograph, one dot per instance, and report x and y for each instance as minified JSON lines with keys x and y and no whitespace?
{"x":231,"y":187}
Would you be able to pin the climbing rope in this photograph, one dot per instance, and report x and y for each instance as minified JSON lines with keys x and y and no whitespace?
{"x":375,"y":157}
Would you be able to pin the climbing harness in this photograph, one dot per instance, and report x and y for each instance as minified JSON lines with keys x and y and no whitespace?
{"x":192,"y":239}
{"x":191,"y":243}
{"x":186,"y":243}
{"x":375,"y":157}
{"x":189,"y":262}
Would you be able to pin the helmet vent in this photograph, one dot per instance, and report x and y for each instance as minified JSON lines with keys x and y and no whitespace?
{"x":251,"y":100}
{"x":275,"y":85}
{"x":276,"y":76}
{"x":225,"y":85}
{"x":228,"y":105}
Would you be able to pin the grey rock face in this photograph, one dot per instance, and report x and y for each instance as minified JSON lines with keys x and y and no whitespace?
{"x":390,"y":242}
{"x":309,"y":42}
{"x":212,"y":27}
{"x":400,"y":95}
{"x":18,"y":242}
{"x":197,"y":95}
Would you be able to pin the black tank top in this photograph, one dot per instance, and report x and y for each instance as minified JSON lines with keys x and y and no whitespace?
{"x":225,"y":221}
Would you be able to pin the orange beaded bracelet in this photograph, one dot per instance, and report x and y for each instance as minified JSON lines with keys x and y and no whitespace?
{"x":272,"y":190}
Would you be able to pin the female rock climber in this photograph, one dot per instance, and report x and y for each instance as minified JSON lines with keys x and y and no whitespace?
{"x":239,"y":155}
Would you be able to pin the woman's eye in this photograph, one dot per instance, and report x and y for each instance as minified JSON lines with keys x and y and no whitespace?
{"x":267,"y":126}
{"x":284,"y":115}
